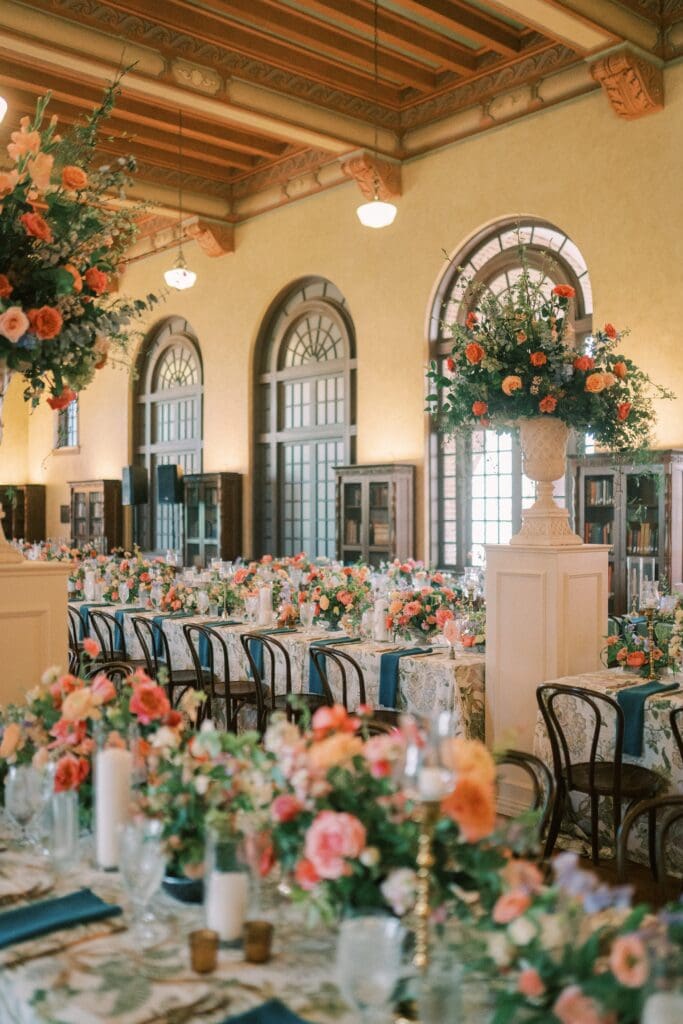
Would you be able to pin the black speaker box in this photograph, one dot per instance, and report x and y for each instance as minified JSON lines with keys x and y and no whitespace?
{"x":134,"y":486}
{"x":170,"y":484}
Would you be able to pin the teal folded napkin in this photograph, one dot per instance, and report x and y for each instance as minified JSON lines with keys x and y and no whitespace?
{"x":50,"y":915}
{"x":203,"y":646}
{"x":631,"y":700}
{"x":388,"y":673}
{"x":315,"y":683}
{"x":272,"y":1012}
{"x":256,"y":648}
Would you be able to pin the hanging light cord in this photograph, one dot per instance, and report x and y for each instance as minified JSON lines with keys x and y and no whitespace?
{"x":180,"y":183}
{"x":376,"y":77}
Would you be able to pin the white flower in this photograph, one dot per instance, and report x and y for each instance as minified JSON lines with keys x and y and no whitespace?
{"x":201,"y":784}
{"x":207,"y":726}
{"x":399,"y":890}
{"x":369,"y":857}
{"x":51,"y":675}
{"x":165,"y":738}
{"x":522,"y":931}
{"x":499,"y":949}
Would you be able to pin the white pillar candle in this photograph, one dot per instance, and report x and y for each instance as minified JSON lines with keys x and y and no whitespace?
{"x":226,"y":903}
{"x":113,"y":770}
{"x":664,"y":1008}
{"x":89,"y":584}
{"x":434,"y":783}
{"x":380,"y":631}
{"x":265,"y":605}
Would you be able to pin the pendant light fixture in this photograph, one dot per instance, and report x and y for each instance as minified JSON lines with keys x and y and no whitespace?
{"x":180,"y":276}
{"x":3,"y":107}
{"x":376,"y":213}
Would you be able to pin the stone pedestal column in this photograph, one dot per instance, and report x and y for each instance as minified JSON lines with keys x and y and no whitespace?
{"x":33,"y":624}
{"x":546,"y":616}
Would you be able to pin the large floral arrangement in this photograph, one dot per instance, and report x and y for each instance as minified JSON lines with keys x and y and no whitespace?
{"x":62,"y":238}
{"x":421,"y":613}
{"x":338,"y":593}
{"x":631,"y":650}
{"x":515,"y":357}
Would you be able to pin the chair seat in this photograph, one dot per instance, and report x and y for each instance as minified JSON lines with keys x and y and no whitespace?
{"x":636,"y":782}
{"x":241,"y":689}
{"x":188,"y":677}
{"x":314,"y":700}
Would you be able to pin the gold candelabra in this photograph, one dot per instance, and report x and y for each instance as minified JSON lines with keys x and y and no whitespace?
{"x":650,"y":615}
{"x":428,"y":815}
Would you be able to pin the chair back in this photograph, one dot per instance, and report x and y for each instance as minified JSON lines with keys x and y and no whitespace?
{"x":273,"y":663}
{"x":669,"y":811}
{"x":542,"y":782}
{"x":552,"y":698}
{"x":149,"y":635}
{"x":351,"y":678}
{"x":676,"y":719}
{"x":116,"y":671}
{"x":109,"y":634}
{"x":75,"y":628}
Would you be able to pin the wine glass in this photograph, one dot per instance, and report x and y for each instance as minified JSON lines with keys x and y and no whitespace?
{"x":251,"y":602}
{"x":307,"y":613}
{"x":25,"y":798}
{"x":452,"y":631}
{"x":142,"y":863}
{"x":369,"y":958}
{"x":202,"y":602}
{"x":124,"y":592}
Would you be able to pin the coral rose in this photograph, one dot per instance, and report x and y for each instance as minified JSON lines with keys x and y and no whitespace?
{"x":91,"y":647}
{"x":584,"y":363}
{"x":306,"y":876}
{"x":285,"y":808}
{"x":96,"y":280}
{"x":11,"y":739}
{"x":480,"y":408}
{"x":636,"y":659}
{"x":510,"y":906}
{"x":529,"y":983}
{"x":610,"y":330}
{"x":332,"y":719}
{"x":620,"y":369}
{"x":472,"y":807}
{"x":6,"y":288}
{"x":36,"y":226}
{"x":623,"y":410}
{"x":149,"y":702}
{"x":573,"y":1007}
{"x":102,"y":689}
{"x":70,"y":772}
{"x":548,"y":404}
{"x":595,"y":383}
{"x":40,"y":170}
{"x":511,"y":384}
{"x":331,"y":840}
{"x":13,"y":324}
{"x":471,"y":320}
{"x":46,"y":322}
{"x":78,"y":280}
{"x":564,"y":291}
{"x":538,"y":359}
{"x":474,"y":353}
{"x":628,"y":961}
{"x":74,"y":178}
{"x":450,"y":364}
{"x":67,"y":396}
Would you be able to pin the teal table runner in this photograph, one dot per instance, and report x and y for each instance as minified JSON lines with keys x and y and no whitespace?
{"x":388,"y":673}
{"x":203,"y":646}
{"x":631,"y":700}
{"x":315,"y":683}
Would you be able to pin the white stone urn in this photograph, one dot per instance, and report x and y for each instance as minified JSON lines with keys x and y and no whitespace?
{"x":544,"y":457}
{"x":8,"y":554}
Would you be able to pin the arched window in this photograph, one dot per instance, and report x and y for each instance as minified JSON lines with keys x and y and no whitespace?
{"x":168,"y":423}
{"x":304,"y":418}
{"x":477,"y":488}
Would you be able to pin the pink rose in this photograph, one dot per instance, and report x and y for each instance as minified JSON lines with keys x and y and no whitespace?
{"x":102,"y":689}
{"x":149,"y":702}
{"x":628,"y":961}
{"x":285,"y":807}
{"x":306,"y":876}
{"x":443,"y":616}
{"x":510,"y":905}
{"x":91,"y":647}
{"x":573,"y":1007}
{"x":13,"y":324}
{"x":331,"y":840}
{"x":529,"y":983}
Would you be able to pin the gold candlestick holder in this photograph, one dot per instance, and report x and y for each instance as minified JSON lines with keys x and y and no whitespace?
{"x":650,"y":615}
{"x":428,"y":815}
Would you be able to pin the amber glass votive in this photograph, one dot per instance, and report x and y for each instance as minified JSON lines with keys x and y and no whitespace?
{"x":203,"y":950}
{"x":258,"y":941}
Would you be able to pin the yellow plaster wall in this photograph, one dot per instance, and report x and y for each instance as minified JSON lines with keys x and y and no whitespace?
{"x":613,"y":186}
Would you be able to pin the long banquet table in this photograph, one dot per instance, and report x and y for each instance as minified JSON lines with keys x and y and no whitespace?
{"x":426,"y":682}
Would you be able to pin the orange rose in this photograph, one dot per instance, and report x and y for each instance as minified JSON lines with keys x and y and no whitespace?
{"x":564,"y":291}
{"x":62,"y":400}
{"x":584,"y":363}
{"x":595,"y":383}
{"x":46,"y":322}
{"x":78,"y":280}
{"x":471,"y":321}
{"x":636,"y":659}
{"x":620,"y":369}
{"x":610,"y":330}
{"x":74,"y":178}
{"x":472,"y":807}
{"x":623,"y":410}
{"x":5,"y":287}
{"x":548,"y":404}
{"x":96,"y":280}
{"x":450,"y":364}
{"x":36,"y":227}
{"x":511,"y":384}
{"x":479,"y":408}
{"x":538,"y":359}
{"x":474,"y":353}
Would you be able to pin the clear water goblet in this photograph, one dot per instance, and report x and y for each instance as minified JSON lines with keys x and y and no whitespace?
{"x":369,"y":964}
{"x":202,"y":602}
{"x":124,"y":592}
{"x":251,"y":603}
{"x":25,"y":798}
{"x":142,"y":862}
{"x":307,"y":613}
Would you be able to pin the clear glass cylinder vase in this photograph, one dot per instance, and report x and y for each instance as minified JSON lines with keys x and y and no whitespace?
{"x":226,"y":886}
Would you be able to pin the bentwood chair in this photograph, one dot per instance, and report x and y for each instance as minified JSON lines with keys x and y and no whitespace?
{"x":209,"y":653}
{"x":111,"y":638}
{"x":676,"y":719}
{"x":351,"y":687}
{"x":269,"y":659}
{"x":598,"y":779}
{"x":157,"y":654}
{"x":118,"y":672}
{"x":669,"y":811}
{"x":542,"y":783}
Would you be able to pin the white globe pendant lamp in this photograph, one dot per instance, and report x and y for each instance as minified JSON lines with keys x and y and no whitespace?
{"x":377,"y":213}
{"x":179,"y":276}
{"x":3,"y":107}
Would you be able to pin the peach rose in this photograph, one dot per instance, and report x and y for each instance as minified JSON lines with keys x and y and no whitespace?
{"x":610,"y":379}
{"x":149,"y":702}
{"x":13,"y":324}
{"x":623,"y":411}
{"x":23,"y":141}
{"x":620,"y":369}
{"x":96,"y":280}
{"x":595,"y":383}
{"x":8,"y":182}
{"x":474,"y":353}
{"x":529,"y":983}
{"x":573,"y":1007}
{"x":40,"y":170}
{"x":78,"y":706}
{"x":78,"y":280}
{"x":584,"y":363}
{"x":510,"y":906}
{"x":472,"y":807}
{"x":11,"y":740}
{"x":6,"y":288}
{"x":36,"y":226}
{"x":338,"y":749}
{"x":511,"y":384}
{"x":548,"y":404}
{"x":331,"y":840}
{"x":538,"y":359}
{"x":628,"y":961}
{"x":74,"y":178}
{"x":46,"y":322}
{"x":470,"y":757}
{"x":480,"y":408}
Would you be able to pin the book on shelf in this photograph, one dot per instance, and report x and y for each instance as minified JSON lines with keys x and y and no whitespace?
{"x":351,"y":531}
{"x":642,"y":539}
{"x":599,"y":491}
{"x":597,"y":533}
{"x":380,"y":533}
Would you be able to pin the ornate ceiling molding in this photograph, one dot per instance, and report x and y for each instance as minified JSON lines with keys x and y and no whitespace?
{"x":369,"y":173}
{"x":308,"y":160}
{"x":213,"y":239}
{"x":195,"y":76}
{"x":634,"y":85}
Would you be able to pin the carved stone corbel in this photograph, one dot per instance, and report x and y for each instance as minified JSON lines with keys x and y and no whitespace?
{"x":633,"y":84}
{"x":370,"y":172}
{"x":213,"y":238}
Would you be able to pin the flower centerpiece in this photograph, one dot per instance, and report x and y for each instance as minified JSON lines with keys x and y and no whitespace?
{"x":514,"y":362}
{"x":421,"y":614}
{"x":339,"y":593}
{"x":631,"y":650}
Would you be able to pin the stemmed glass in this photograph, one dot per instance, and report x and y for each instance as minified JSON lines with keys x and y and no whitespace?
{"x":452,"y":631}
{"x":202,"y":602}
{"x":25,"y":798}
{"x":369,"y":960}
{"x":251,"y":607}
{"x":306,"y":614}
{"x":142,"y":862}
{"x":124,"y":592}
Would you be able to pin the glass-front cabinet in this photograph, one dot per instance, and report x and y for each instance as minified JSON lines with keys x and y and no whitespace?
{"x":96,"y":515}
{"x":213,"y":517}
{"x":638,"y":511}
{"x":23,"y":506}
{"x":375,"y":513}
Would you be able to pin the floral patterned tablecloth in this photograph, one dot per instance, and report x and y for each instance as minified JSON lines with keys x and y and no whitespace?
{"x":660,"y":753}
{"x":427,"y":682}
